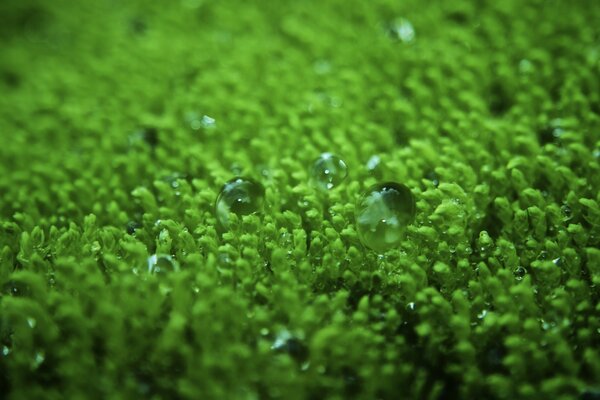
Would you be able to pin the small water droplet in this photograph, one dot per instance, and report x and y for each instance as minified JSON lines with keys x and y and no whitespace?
{"x":240,"y":196}
{"x":328,"y":171}
{"x":546,"y":325}
{"x":482,"y":314}
{"x":287,"y":343}
{"x":31,"y":322}
{"x":525,"y":66}
{"x":433,"y":177}
{"x":162,"y":264}
{"x":208,"y":122}
{"x":402,"y":30}
{"x":557,"y":261}
{"x":5,"y":351}
{"x":373,"y":162}
{"x":411,"y":306}
{"x":147,"y":135}
{"x":132,"y":226}
{"x":382,"y":215}
{"x":38,"y":359}
{"x":519,"y":273}
{"x":16,"y":289}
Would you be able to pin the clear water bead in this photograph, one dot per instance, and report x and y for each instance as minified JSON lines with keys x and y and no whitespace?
{"x":328,"y":171}
{"x":240,"y":196}
{"x":382,"y":215}
{"x":162,"y":264}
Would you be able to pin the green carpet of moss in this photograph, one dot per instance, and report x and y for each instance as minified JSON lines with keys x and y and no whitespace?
{"x":121,"y":120}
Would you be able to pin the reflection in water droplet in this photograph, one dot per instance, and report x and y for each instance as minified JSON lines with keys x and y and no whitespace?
{"x":240,"y":196}
{"x":382,"y":215}
{"x":328,"y":171}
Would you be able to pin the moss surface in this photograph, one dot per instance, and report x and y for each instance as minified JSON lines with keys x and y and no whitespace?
{"x":120,"y":121}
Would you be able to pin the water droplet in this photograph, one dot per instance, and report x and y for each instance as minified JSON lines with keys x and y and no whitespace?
{"x":240,"y":196}
{"x":198,"y":122}
{"x":31,"y":322}
{"x":38,"y":359}
{"x":411,"y":306}
{"x":519,"y":273}
{"x":546,"y":325}
{"x":16,"y":289}
{"x":382,"y":215}
{"x":208,"y":122}
{"x":147,"y":135}
{"x":285,"y":342}
{"x":402,"y":30}
{"x":373,"y":162}
{"x":482,"y":314}
{"x":5,"y":351}
{"x":557,"y":261}
{"x":132,"y":226}
{"x":433,"y":177}
{"x":525,"y":66}
{"x":162,"y":264}
{"x":328,"y":171}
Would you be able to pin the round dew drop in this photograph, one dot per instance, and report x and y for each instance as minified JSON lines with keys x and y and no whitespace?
{"x":328,"y":171}
{"x":382,"y":215}
{"x":240,"y":196}
{"x":162,"y":264}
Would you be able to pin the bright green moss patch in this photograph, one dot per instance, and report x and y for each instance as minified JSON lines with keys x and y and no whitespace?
{"x":121,"y":121}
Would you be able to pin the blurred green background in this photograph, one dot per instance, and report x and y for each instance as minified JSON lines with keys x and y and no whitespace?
{"x":121,"y":120}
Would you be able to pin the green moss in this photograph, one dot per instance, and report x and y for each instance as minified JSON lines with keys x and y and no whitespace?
{"x":121,"y":121}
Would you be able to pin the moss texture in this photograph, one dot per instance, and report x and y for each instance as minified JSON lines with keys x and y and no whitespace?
{"x":120,"y":121}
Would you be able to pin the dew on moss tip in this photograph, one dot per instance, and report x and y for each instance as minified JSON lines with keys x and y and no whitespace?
{"x":382,"y":215}
{"x":162,"y":264}
{"x":240,"y":196}
{"x":328,"y":171}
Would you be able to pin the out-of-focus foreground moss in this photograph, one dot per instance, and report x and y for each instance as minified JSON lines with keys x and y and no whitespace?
{"x":120,"y":120}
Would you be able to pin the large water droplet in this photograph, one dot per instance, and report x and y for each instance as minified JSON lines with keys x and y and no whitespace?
{"x":382,"y":215}
{"x":328,"y":171}
{"x":240,"y":196}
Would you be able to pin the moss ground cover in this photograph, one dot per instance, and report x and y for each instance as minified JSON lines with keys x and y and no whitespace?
{"x":121,"y":121}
